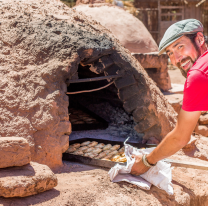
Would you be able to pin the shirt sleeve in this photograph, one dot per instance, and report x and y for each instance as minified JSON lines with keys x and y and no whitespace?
{"x":196,"y":92}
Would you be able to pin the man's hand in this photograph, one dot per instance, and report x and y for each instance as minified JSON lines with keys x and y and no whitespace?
{"x":138,"y":168}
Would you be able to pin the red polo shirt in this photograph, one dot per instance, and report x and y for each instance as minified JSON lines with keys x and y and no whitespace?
{"x":196,"y":86}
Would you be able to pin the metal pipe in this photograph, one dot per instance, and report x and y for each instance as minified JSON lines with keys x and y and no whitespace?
{"x":93,"y":79}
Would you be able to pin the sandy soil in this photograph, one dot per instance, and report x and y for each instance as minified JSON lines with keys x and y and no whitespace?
{"x":81,"y":185}
{"x":176,"y":76}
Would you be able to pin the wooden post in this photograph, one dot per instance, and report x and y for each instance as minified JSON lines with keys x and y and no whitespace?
{"x":183,"y":12}
{"x":159,"y":19}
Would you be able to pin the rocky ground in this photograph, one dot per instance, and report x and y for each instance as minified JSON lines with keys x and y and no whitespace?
{"x":176,"y":77}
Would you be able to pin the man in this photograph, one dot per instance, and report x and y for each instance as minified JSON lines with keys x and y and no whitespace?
{"x":185,"y":45}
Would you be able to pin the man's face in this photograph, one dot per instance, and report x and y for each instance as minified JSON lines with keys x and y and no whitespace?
{"x":183,"y":53}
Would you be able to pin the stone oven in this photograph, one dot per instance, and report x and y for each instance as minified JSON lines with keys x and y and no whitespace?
{"x":156,"y":67}
{"x":44,"y":46}
{"x":133,"y":35}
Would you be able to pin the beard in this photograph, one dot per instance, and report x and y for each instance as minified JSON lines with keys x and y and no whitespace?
{"x":183,"y":71}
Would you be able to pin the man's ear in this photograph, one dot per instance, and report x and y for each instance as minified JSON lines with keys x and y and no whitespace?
{"x":200,"y":39}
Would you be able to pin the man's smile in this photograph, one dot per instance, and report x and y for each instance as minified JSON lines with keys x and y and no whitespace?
{"x":186,"y":64}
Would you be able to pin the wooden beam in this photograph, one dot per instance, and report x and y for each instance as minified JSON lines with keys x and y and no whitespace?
{"x":172,"y":14}
{"x":146,"y":9}
{"x":183,"y":13}
{"x":171,"y":7}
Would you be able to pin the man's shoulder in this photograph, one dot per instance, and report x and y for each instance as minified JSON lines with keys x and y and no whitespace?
{"x":201,"y":66}
{"x":197,"y":79}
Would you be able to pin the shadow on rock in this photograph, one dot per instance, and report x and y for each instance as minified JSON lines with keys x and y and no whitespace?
{"x":26,"y":170}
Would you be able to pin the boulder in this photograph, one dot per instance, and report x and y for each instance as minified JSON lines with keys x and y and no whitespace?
{"x":27,"y":180}
{"x":203,"y":119}
{"x":14,"y":151}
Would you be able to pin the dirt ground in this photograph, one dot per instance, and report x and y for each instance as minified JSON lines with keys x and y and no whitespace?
{"x":81,"y":185}
{"x":176,"y":76}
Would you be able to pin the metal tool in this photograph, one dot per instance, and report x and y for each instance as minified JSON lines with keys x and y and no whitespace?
{"x":179,"y":163}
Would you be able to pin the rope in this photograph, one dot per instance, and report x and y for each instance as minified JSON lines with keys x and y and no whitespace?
{"x":90,"y":90}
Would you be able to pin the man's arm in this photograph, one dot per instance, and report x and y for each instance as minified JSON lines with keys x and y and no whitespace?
{"x":174,"y":141}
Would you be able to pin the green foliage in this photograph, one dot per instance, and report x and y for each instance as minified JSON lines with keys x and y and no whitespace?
{"x":69,"y":3}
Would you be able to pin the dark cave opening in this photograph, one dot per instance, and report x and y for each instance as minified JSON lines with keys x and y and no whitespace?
{"x":99,"y":111}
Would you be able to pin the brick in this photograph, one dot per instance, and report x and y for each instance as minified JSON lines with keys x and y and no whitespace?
{"x":140,"y":113}
{"x":97,"y":68}
{"x":154,"y":134}
{"x":135,"y":101}
{"x":145,"y":124}
{"x":102,"y":64}
{"x":125,"y":81}
{"x":127,"y":92}
{"x":112,"y":70}
{"x":106,"y":61}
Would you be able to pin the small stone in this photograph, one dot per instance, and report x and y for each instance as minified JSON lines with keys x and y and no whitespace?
{"x":203,"y":119}
{"x":191,"y":144}
{"x":202,"y":129}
